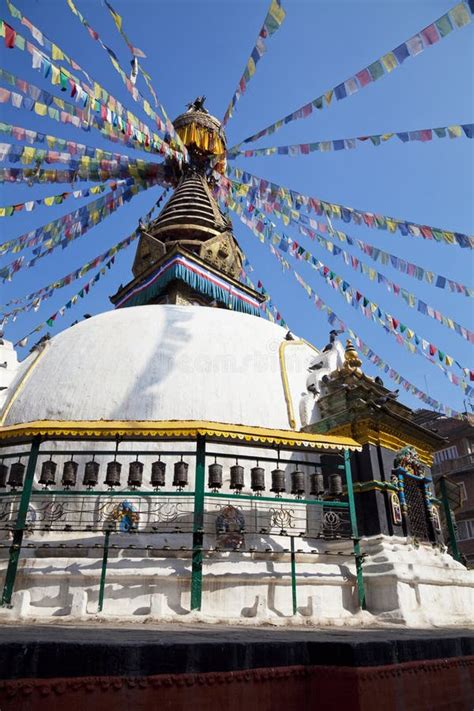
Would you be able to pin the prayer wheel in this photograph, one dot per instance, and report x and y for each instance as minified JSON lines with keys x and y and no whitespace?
{"x":317,"y":484}
{"x":135,"y":473}
{"x":17,"y":472}
{"x":237,"y":477}
{"x":335,"y":485}
{"x":48,"y":473}
{"x":257,"y":479}
{"x":3,"y":475}
{"x":69,"y":473}
{"x":112,"y":477}
{"x":91,"y":474}
{"x":297,"y":482}
{"x":158,"y":471}
{"x":215,"y":476}
{"x":180,"y":477}
{"x":278,"y":481}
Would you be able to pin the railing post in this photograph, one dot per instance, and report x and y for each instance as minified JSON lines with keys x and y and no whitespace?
{"x":449,"y":520}
{"x":103,"y":572}
{"x":355,"y":531}
{"x":198,"y":524}
{"x":15,"y":548}
{"x":293,"y":575}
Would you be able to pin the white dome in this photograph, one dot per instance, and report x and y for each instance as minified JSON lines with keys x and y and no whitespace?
{"x":160,"y":362}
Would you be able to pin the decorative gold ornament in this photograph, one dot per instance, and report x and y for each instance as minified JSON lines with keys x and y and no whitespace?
{"x":352,"y":362}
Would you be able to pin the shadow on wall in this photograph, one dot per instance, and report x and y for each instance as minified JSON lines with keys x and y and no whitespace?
{"x":167,"y":352}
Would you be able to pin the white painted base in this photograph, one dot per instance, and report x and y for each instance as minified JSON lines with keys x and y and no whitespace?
{"x":413,"y":586}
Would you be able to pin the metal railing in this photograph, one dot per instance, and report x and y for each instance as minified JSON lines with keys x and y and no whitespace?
{"x":197,"y":510}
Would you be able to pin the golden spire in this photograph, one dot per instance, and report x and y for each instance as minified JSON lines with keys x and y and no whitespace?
{"x":352,"y":362}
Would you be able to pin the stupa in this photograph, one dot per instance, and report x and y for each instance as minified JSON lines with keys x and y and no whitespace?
{"x":180,"y":457}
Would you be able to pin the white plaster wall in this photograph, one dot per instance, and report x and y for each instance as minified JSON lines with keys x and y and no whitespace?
{"x":163,"y":362}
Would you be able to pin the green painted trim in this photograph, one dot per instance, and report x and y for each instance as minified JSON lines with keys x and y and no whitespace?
{"x":103,"y":572}
{"x":198,"y":523}
{"x":294,"y":598}
{"x":15,"y":548}
{"x":355,"y":531}
{"x":449,"y":521}
{"x":276,"y":499}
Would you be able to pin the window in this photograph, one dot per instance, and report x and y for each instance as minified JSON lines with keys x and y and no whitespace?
{"x":465,"y":529}
{"x":444,"y":454}
{"x":462,"y":486}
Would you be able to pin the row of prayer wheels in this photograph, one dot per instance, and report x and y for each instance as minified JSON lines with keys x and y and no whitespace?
{"x":278,"y":481}
{"x":14,"y":477}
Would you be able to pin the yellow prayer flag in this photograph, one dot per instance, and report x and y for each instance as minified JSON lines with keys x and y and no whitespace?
{"x":328,"y":97}
{"x":146,"y":107}
{"x":448,"y":360}
{"x":286,"y":220}
{"x":449,"y":237}
{"x":372,"y":274}
{"x":386,"y":136}
{"x":59,"y":102}
{"x":51,"y":141}
{"x":389,"y":61}
{"x":2,"y":212}
{"x":56,"y":52}
{"x":336,"y":210}
{"x":454,"y":131}
{"x":391,"y":224}
{"x":97,"y":90}
{"x":48,"y":201}
{"x":410,"y":333}
{"x":55,"y":75}
{"x":251,"y":66}
{"x":40,"y":109}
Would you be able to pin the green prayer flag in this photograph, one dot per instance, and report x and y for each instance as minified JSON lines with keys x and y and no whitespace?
{"x":376,"y":70}
{"x":444,"y":25}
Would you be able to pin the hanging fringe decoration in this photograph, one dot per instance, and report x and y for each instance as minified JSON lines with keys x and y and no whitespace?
{"x":457,"y":17}
{"x":269,"y":190}
{"x":379,"y":139}
{"x":271,"y":24}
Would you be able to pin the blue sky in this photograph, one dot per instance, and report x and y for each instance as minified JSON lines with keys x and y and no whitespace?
{"x":201,"y":48}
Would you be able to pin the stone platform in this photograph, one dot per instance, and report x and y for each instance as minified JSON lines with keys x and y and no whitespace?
{"x":169,"y":667}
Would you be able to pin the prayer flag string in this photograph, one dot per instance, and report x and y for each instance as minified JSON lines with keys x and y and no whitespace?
{"x":133,"y":91}
{"x":135,"y":51}
{"x":271,"y":24}
{"x":379,"y":139}
{"x":51,"y":236}
{"x":410,"y":299}
{"x":271,"y":190}
{"x":368,"y":352}
{"x":84,"y":291}
{"x":357,"y":300}
{"x":307,"y":225}
{"x":457,"y":17}
{"x":53,"y":200}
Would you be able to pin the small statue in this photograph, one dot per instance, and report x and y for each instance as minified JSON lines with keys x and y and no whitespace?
{"x":352,"y":362}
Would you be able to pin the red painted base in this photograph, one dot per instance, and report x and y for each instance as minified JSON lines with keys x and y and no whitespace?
{"x":431,"y":685}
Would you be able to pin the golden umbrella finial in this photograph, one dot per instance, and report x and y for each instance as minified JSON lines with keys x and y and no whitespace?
{"x":351,"y":357}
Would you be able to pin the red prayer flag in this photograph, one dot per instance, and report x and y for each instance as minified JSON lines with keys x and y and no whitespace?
{"x":430,"y":35}
{"x":10,"y":35}
{"x":426,"y":135}
{"x":364,"y":77}
{"x":395,"y":323}
{"x":432,"y":349}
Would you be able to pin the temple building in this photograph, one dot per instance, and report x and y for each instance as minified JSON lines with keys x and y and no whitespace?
{"x":181,"y":457}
